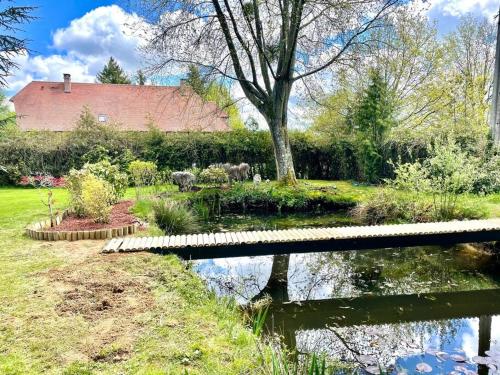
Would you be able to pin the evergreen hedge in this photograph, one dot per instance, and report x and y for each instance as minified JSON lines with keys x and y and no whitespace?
{"x":25,"y":153}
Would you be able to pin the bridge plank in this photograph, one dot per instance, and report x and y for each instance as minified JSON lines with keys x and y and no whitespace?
{"x":247,"y":243}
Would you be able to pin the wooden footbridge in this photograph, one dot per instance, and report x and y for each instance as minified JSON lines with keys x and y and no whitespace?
{"x":273,"y":242}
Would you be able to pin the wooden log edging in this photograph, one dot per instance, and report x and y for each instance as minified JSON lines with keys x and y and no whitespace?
{"x":38,"y":231}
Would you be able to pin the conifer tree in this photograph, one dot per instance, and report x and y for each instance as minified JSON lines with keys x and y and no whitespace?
{"x":196,"y":81}
{"x":373,"y":116}
{"x":11,"y":46}
{"x":112,"y":73}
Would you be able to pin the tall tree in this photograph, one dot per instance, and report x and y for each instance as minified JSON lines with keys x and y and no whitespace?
{"x":11,"y":17}
{"x":196,"y":80}
{"x":374,"y":116}
{"x":495,"y":95}
{"x":470,"y":56}
{"x":266,"y":46}
{"x":112,"y":73}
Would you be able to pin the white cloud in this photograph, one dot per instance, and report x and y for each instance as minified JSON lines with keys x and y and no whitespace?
{"x":456,"y":8}
{"x":84,"y":47}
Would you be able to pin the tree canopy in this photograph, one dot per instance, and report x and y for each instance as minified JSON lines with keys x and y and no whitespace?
{"x":265,"y":46}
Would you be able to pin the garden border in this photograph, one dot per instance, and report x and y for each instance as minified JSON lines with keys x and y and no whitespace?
{"x":37,"y":231}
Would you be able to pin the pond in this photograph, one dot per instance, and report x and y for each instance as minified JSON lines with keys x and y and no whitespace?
{"x":434,"y":308}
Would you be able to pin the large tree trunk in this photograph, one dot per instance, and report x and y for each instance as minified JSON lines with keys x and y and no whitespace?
{"x":277,"y":120}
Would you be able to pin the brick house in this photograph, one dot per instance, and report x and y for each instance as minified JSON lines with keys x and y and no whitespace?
{"x":56,"y":106}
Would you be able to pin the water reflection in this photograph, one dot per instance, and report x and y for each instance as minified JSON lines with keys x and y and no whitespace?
{"x":400,"y":306}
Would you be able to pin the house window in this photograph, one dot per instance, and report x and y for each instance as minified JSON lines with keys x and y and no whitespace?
{"x":103,"y":118}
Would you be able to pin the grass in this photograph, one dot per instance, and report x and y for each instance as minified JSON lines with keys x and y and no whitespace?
{"x":66,"y":309}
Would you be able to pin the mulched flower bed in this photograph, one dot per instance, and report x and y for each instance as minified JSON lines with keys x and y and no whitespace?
{"x":120,"y":216}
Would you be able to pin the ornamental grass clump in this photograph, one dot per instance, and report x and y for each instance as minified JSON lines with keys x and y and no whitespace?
{"x":174,"y":217}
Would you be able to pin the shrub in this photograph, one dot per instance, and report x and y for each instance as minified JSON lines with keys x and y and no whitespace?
{"x":447,"y":172}
{"x":387,"y":207}
{"x":214,"y":175}
{"x":110,"y":173}
{"x":143,"y":172}
{"x":9,"y":175}
{"x":487,"y":179}
{"x":174,"y":217}
{"x":42,"y":181}
{"x":74,"y":181}
{"x":97,"y":196}
{"x":390,"y":206}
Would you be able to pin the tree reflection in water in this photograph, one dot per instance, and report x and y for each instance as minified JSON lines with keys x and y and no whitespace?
{"x":361,"y":276}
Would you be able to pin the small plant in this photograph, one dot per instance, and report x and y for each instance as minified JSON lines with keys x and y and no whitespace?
{"x":214,"y":175}
{"x":143,"y":173}
{"x":97,"y":196}
{"x":173,"y":217}
{"x":44,"y":181}
{"x":74,"y":182}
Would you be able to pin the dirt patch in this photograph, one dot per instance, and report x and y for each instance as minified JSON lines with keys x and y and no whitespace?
{"x":111,"y":300}
{"x":120,"y":216}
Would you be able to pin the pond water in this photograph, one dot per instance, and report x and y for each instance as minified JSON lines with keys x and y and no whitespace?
{"x":434,"y":308}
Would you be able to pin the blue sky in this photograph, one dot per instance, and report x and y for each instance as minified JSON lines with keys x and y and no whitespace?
{"x":53,"y":15}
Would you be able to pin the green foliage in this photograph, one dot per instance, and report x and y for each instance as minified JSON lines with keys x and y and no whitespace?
{"x":373,"y":117}
{"x":216,"y":92}
{"x":74,"y":184}
{"x":9,"y":175}
{"x":268,"y":198}
{"x":7,"y":116}
{"x":213,"y":175}
{"x":196,"y":80}
{"x":112,"y":73}
{"x":220,"y":95}
{"x":446,"y":173}
{"x":12,"y":43}
{"x":96,"y":198}
{"x":174,"y":217}
{"x":393,"y":206}
{"x":143,"y":173}
{"x":58,"y":153}
{"x":110,"y":173}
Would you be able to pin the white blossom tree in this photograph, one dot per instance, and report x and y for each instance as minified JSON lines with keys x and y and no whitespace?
{"x":266,"y":46}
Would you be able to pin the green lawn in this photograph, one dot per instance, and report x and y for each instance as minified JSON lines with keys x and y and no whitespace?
{"x":66,"y":309}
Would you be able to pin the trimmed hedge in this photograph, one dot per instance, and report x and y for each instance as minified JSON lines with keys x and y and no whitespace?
{"x":26,"y":153}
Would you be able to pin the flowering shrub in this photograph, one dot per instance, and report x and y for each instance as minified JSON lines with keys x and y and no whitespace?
{"x":110,"y":173}
{"x":214,"y":175}
{"x":42,"y":181}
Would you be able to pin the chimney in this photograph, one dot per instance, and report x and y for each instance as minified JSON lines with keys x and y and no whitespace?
{"x":67,"y":82}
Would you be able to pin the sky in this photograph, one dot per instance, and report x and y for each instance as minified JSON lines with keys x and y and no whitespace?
{"x":79,"y":36}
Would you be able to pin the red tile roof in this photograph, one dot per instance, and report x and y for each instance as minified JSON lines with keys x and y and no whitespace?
{"x":45,"y":105}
